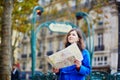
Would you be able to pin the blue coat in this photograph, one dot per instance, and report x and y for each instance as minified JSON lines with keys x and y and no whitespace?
{"x":71,"y":73}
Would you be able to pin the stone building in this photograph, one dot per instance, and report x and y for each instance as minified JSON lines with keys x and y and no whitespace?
{"x":106,"y":41}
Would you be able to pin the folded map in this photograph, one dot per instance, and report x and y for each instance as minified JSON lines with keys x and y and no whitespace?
{"x":65,"y":57}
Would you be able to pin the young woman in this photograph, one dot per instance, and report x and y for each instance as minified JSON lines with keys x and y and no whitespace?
{"x":79,"y":70}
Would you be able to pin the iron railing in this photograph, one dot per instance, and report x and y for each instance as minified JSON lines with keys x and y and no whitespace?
{"x":95,"y":75}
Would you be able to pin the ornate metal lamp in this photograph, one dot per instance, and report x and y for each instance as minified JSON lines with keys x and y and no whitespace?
{"x":89,"y":43}
{"x":36,"y":11}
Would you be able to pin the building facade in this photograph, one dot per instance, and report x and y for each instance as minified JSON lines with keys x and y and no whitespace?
{"x":106,"y":41}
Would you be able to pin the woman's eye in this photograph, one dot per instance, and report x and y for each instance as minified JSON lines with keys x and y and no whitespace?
{"x":73,"y":34}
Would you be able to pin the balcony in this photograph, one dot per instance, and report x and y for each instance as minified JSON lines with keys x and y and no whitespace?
{"x":24,"y":56}
{"x":101,"y":27}
{"x":99,"y":48}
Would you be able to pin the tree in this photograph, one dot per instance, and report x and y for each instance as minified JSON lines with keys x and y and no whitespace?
{"x":19,"y":16}
{"x":5,"y":54}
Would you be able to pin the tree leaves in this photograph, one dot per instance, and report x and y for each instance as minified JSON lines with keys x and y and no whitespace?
{"x":21,"y":13}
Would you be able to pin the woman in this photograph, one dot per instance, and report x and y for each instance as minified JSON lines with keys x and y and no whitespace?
{"x":79,"y":70}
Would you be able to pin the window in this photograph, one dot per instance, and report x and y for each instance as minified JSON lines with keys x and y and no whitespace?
{"x":41,"y":64}
{"x":94,"y":61}
{"x":60,"y":45}
{"x":105,"y":60}
{"x":24,"y":49}
{"x":49,"y":66}
{"x":43,"y":32}
{"x":100,"y":45}
{"x":24,"y":66}
{"x":100,"y":39}
{"x":100,"y":61}
{"x":50,"y":45}
{"x":41,"y":47}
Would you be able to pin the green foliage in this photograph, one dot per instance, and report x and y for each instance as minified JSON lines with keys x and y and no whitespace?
{"x":21,"y":13}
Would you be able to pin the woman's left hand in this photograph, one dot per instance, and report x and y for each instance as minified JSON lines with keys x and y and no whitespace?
{"x":77,"y":63}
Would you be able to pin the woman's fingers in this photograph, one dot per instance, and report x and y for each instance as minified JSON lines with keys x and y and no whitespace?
{"x":77,"y":63}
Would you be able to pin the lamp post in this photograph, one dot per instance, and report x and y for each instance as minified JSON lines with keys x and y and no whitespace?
{"x":36,"y":11}
{"x":118,"y":7}
{"x":89,"y":43}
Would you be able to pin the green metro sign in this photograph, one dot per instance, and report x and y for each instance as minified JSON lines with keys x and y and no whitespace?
{"x":54,"y":26}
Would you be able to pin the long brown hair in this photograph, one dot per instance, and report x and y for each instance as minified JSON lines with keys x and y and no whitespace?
{"x":80,"y":43}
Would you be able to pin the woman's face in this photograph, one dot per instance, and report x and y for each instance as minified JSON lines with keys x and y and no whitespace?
{"x":73,"y":37}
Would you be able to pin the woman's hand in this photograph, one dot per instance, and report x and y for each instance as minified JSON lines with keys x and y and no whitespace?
{"x":77,"y":63}
{"x":55,"y":70}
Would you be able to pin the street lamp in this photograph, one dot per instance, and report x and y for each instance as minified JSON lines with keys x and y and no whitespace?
{"x":118,"y":7}
{"x":89,"y":43}
{"x":36,"y":11}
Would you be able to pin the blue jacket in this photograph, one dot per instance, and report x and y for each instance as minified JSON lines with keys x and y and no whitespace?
{"x":71,"y":73}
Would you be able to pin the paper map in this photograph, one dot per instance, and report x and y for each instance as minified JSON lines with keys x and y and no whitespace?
{"x":65,"y":57}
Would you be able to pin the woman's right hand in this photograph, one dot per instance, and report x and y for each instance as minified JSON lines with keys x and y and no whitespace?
{"x":55,"y":70}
